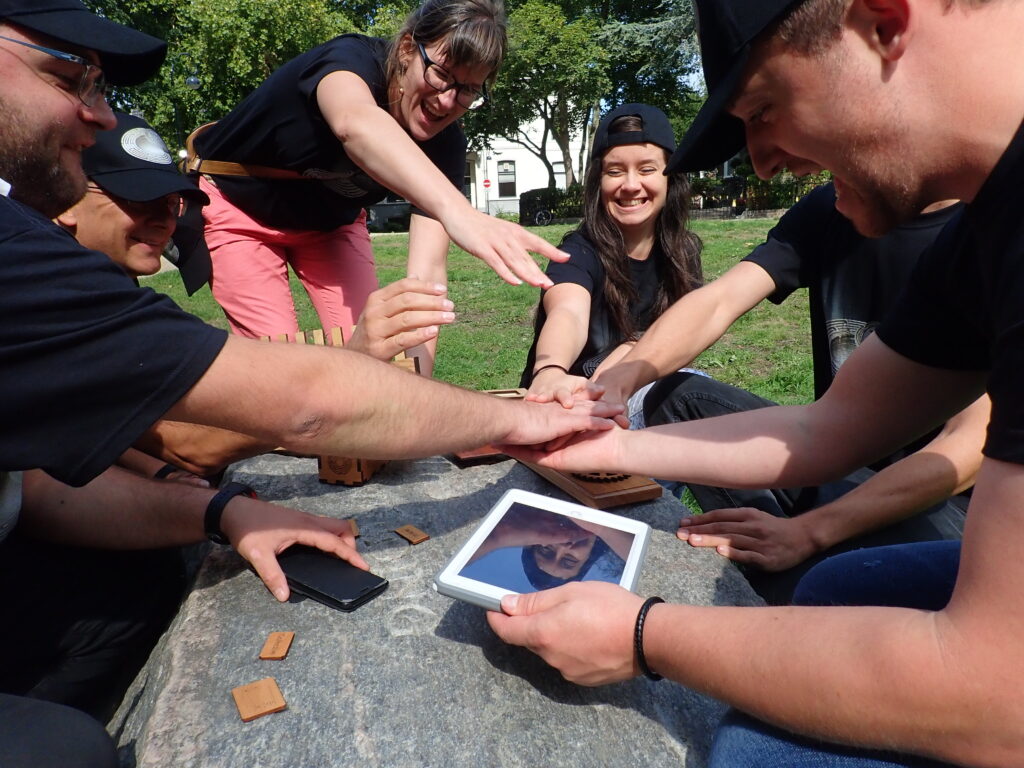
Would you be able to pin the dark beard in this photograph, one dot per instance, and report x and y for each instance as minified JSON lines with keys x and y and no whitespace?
{"x":30,"y":163}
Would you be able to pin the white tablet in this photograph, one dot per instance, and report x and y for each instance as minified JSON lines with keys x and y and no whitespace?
{"x":530,"y":542}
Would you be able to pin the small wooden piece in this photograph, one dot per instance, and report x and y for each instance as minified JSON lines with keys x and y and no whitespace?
{"x":412,"y":534}
{"x":258,"y":699}
{"x":345,"y":471}
{"x":487,"y":454}
{"x":277,"y":645}
{"x":601,"y":492}
{"x":339,"y":469}
{"x":355,"y":526}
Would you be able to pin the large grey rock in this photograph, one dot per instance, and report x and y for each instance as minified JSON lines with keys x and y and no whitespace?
{"x":413,"y":678}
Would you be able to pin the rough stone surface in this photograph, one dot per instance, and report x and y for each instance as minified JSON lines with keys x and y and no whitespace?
{"x":412,"y":678}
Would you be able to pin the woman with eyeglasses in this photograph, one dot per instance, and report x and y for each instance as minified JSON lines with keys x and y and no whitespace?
{"x":291,"y":168}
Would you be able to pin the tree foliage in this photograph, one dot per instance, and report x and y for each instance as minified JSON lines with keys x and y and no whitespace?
{"x":556,"y":69}
{"x":231,"y":46}
{"x":568,"y":60}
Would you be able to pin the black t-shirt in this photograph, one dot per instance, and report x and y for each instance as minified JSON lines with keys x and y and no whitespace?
{"x":964,"y":307}
{"x":279,"y":125}
{"x":88,"y":360}
{"x":584,"y":269}
{"x":853,"y":281}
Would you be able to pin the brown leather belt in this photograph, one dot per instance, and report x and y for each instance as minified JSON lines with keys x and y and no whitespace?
{"x":196,"y":164}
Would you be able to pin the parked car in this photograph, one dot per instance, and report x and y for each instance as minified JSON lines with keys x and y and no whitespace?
{"x":389,"y":215}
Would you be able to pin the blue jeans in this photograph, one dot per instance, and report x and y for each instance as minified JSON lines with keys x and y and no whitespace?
{"x":906,"y":575}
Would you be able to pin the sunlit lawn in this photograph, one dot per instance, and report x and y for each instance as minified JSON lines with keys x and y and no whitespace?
{"x":767,"y":351}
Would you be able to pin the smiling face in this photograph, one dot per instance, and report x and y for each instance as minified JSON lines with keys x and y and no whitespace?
{"x":806,"y":113}
{"x":46,"y":125}
{"x":564,"y":561}
{"x":421,"y":110}
{"x":634,"y":185}
{"x":134,"y":235}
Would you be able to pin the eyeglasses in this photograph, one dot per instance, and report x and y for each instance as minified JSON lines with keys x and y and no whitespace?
{"x":174,"y":204}
{"x":93,"y":84}
{"x":441,"y":80}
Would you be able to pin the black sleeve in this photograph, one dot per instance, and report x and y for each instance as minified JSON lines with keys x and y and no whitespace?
{"x":787,"y":255}
{"x":582,"y":268}
{"x":89,"y":360}
{"x":349,"y":53}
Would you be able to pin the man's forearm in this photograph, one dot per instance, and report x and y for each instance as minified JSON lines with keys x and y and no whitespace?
{"x":317,"y":400}
{"x":117,"y":510}
{"x":944,"y":467}
{"x":865,"y":676}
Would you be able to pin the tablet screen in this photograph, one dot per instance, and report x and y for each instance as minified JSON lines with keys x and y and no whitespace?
{"x":529,"y":542}
{"x":532,"y":549}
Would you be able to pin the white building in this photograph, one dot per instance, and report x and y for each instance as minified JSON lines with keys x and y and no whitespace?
{"x":495,"y":177}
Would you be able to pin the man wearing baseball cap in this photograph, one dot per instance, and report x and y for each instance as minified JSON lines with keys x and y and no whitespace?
{"x":905,"y":102}
{"x":134,"y":197}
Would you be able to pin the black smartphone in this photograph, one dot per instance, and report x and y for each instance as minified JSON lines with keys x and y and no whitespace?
{"x":329,"y":580}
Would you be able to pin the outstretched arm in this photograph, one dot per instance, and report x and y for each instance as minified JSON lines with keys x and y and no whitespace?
{"x":687,"y":328}
{"x":375,"y":141}
{"x":120,"y":510}
{"x":783,"y":446}
{"x":561,"y":339}
{"x":335,"y":401}
{"x":946,"y":466}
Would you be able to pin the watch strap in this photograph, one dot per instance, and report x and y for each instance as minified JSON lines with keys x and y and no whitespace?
{"x":215,"y":509}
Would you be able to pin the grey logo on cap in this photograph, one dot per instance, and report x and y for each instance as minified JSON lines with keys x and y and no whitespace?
{"x":145,"y":144}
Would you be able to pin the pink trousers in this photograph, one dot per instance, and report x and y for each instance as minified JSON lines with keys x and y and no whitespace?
{"x":250,"y":270}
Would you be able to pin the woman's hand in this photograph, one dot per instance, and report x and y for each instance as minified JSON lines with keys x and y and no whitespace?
{"x":503,"y":246}
{"x":554,"y":384}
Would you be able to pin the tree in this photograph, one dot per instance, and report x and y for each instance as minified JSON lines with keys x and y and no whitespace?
{"x":555,"y":70}
{"x":230,"y":45}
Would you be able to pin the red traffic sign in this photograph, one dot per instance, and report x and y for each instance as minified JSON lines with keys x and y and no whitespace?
{"x":487,"y":183}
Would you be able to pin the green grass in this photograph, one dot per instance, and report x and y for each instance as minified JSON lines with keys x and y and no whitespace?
{"x":767,"y":351}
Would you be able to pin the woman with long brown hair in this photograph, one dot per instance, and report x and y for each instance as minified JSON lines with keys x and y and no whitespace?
{"x":630,"y":259}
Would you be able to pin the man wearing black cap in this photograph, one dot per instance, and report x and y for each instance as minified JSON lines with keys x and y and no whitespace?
{"x":905,"y":102}
{"x":135,"y":195}
{"x":90,"y":361}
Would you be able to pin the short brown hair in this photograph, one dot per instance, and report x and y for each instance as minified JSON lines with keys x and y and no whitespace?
{"x":472,"y":33}
{"x":812,"y":26}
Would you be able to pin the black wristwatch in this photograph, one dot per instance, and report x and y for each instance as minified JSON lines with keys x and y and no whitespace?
{"x":214,"y":510}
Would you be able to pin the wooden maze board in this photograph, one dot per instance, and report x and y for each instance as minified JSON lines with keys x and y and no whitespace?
{"x":601,"y":490}
{"x":487,"y":454}
{"x":341,"y":469}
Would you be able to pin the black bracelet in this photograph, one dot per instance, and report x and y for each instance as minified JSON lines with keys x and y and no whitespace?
{"x":562,"y":368}
{"x":165,"y":470}
{"x":638,"y":638}
{"x":215,"y":509}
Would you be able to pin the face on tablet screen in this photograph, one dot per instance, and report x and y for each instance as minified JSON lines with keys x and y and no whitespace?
{"x":532,"y":549}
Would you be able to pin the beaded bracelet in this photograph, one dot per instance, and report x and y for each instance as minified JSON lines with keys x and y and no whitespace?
{"x":562,"y":368}
{"x":638,"y":638}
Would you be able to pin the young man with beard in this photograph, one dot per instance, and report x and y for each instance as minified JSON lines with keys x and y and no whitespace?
{"x":906,"y":102}
{"x":90,"y":361}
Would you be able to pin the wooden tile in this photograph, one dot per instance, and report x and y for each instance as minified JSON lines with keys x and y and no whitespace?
{"x":258,"y":699}
{"x":277,"y":645}
{"x":411,"y":533}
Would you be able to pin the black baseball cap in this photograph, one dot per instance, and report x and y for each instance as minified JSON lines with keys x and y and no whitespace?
{"x":127,"y":56}
{"x":131,"y":161}
{"x":656,"y":129}
{"x":727,"y":30}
